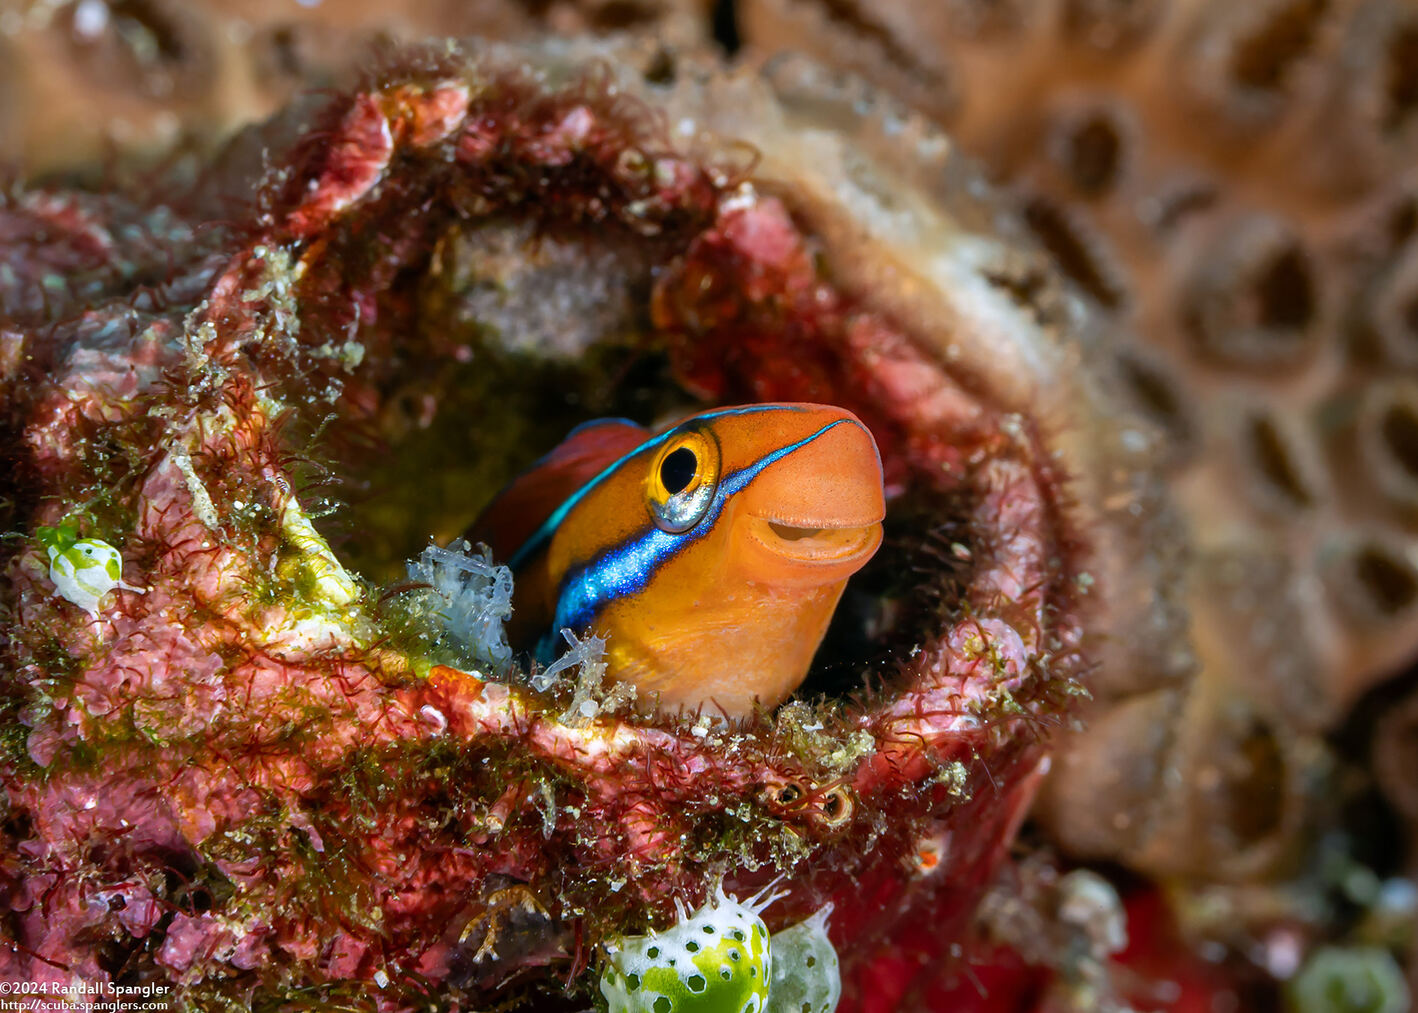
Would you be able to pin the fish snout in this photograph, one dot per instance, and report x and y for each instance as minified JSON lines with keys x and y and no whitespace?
{"x":815,"y":515}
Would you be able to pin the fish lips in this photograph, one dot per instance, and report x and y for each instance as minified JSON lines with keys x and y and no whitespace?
{"x":796,"y":554}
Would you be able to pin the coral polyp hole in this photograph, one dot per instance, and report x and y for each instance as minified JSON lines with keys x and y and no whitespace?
{"x":1254,"y":300}
{"x":1077,"y":249}
{"x":1255,"y":809}
{"x":632,"y":982}
{"x":663,"y":1005}
{"x":1276,"y":461}
{"x":1389,"y":583}
{"x":1263,"y":59}
{"x":1093,"y":154}
{"x":696,"y":983}
{"x":1153,"y":391}
{"x":1402,"y":83}
{"x":1400,"y":434}
{"x":1284,"y":293}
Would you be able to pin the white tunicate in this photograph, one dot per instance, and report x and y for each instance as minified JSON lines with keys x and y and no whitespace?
{"x":806,"y":976}
{"x":475,"y":598}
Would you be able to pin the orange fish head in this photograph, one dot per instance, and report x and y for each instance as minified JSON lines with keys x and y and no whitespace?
{"x":811,"y":512}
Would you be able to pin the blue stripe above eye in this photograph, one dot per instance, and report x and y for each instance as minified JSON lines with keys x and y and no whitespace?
{"x":539,"y":538}
{"x":627,"y":568}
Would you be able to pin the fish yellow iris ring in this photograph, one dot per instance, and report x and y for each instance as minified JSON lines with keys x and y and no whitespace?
{"x":682,"y":480}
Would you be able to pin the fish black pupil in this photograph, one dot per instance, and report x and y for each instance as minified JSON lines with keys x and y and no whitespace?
{"x":677,"y":470}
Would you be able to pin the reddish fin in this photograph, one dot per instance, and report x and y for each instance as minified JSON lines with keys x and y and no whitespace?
{"x":530,"y":498}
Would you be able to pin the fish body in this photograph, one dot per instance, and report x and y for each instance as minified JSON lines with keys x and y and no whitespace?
{"x":710,"y":556}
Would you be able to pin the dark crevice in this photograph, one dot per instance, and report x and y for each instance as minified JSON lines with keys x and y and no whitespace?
{"x":1094,"y":154}
{"x":1255,"y":810}
{"x":1402,"y":220}
{"x":1155,"y":395}
{"x":725,"y":24}
{"x":1402,"y":90}
{"x":1073,"y":252}
{"x":900,"y":599}
{"x":1263,"y":59}
{"x":1278,"y":468}
{"x":1254,"y":311}
{"x":1389,"y":583}
{"x":1284,"y":293}
{"x":1400,"y":434}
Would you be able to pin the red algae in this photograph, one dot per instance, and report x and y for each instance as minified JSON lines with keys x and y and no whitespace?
{"x":256,"y":782}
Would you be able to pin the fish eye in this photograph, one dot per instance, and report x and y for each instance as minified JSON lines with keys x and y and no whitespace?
{"x":681,"y":485}
{"x":677,"y":470}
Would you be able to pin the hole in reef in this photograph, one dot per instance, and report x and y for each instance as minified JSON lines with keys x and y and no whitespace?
{"x":516,"y":333}
{"x":1400,"y":432}
{"x":1402,"y":221}
{"x":1155,"y":394}
{"x":1074,"y":249}
{"x":1263,"y":59}
{"x":1253,"y":308}
{"x":1276,"y":463}
{"x":1094,"y":154}
{"x":899,"y":600}
{"x":725,"y":25}
{"x":1402,"y":83}
{"x":1255,"y":809}
{"x":1389,"y":583}
{"x":1284,"y":293}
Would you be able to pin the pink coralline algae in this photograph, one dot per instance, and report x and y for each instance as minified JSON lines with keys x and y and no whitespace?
{"x":262,"y":782}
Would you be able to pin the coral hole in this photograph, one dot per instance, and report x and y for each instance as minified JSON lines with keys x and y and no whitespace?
{"x":1263,"y":58}
{"x":508,"y":324}
{"x":1093,"y":153}
{"x":1275,"y":459}
{"x":523,"y":330}
{"x":1254,"y":810}
{"x":1400,"y":433}
{"x":1283,"y":294}
{"x":1388,"y":581}
{"x":1254,"y":299}
{"x":1402,"y":79}
{"x":1152,"y":389}
{"x":1077,"y":249}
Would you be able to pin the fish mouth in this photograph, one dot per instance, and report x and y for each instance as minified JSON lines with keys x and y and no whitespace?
{"x":826,"y":543}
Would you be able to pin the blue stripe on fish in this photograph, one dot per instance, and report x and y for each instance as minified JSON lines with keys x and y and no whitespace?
{"x":543,"y":534}
{"x":628,"y":568}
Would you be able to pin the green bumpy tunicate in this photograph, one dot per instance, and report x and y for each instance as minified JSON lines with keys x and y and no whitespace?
{"x":83,"y":570}
{"x":716,"y":960}
{"x":806,"y":978}
{"x":1349,"y":979}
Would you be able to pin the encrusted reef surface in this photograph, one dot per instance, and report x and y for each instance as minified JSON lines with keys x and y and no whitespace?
{"x":264,"y":774}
